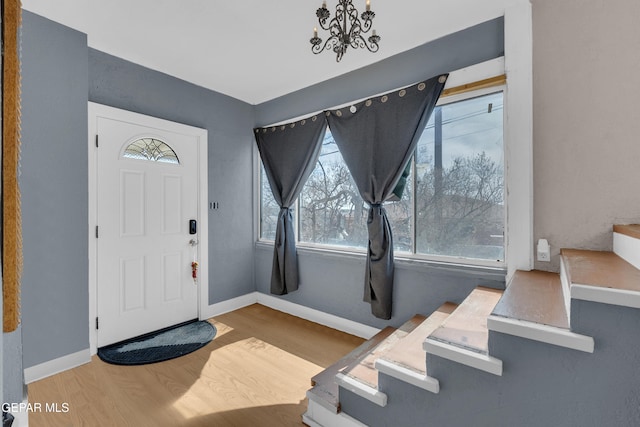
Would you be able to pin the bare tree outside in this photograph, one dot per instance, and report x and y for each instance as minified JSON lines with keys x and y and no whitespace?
{"x":269,"y":209}
{"x":331,"y":209}
{"x":460,"y":181}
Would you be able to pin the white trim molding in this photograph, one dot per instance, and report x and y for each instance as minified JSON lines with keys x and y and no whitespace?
{"x":201,"y":137}
{"x":410,"y":376}
{"x":21,"y":418}
{"x":317,"y":316}
{"x":621,"y":297}
{"x":229,"y":305}
{"x":627,"y":248}
{"x":297,"y":310}
{"x":518,"y":135}
{"x":319,"y":416}
{"x":480,"y":361}
{"x":73,"y":360}
{"x":363,"y":390}
{"x":543,"y":333}
{"x":55,"y":366}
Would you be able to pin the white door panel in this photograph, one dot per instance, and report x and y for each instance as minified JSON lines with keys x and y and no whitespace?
{"x":144,"y":257}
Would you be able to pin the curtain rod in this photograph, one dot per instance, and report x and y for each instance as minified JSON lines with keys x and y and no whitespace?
{"x":468,"y":87}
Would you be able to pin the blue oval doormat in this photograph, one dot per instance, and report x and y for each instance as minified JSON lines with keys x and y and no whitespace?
{"x":159,"y":346}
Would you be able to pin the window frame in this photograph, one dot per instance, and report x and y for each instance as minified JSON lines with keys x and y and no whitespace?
{"x":518,"y":160}
{"x":404,"y":255}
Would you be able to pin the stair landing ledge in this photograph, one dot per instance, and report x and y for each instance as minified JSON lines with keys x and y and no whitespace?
{"x":602,"y":277}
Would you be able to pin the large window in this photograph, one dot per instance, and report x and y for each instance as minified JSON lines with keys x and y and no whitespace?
{"x":453,"y":202}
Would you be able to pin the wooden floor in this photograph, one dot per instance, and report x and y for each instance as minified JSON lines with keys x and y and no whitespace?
{"x":254,"y":373}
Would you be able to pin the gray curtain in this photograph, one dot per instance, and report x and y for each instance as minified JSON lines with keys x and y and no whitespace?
{"x":289,"y":154}
{"x":377,"y":138}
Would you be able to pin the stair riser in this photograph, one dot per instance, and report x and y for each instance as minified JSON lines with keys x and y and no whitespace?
{"x":627,"y":248}
{"x":541,"y":333}
{"x":475,"y":360}
{"x":362,"y":390}
{"x":409,"y":376}
{"x":318,"y":416}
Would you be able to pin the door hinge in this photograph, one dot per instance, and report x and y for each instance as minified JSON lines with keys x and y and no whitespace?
{"x":97,"y":234}
{"x":97,"y":324}
{"x":96,"y":140}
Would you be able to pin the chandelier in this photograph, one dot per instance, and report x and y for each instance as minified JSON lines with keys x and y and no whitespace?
{"x":346,"y":29}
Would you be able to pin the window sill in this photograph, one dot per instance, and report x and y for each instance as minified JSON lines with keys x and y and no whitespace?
{"x":456,"y":266}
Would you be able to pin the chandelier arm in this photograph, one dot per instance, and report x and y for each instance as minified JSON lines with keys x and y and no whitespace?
{"x":371,"y":43}
{"x":329,"y":44}
{"x":324,"y":25}
{"x":366,"y":25}
{"x":323,"y":15}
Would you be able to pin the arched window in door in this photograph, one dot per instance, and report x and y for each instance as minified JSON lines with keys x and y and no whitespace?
{"x":151,"y":149}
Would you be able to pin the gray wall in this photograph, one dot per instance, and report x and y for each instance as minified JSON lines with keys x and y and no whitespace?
{"x":60,"y":74}
{"x":335,"y":284}
{"x":54,"y":190}
{"x":13,"y":389}
{"x":541,"y":384}
{"x":122,"y":84}
{"x":586,"y":127}
{"x":467,"y":47}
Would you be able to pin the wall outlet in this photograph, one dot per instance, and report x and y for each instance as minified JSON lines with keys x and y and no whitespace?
{"x":544,"y":250}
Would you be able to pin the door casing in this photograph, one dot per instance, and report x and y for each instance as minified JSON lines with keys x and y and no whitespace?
{"x":98,"y":110}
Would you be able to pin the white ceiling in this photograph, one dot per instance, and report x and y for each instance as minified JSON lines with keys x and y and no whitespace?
{"x":249,"y":49}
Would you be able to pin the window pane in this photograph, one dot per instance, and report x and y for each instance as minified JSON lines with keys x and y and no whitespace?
{"x":331,"y":209}
{"x":400,"y":213}
{"x":269,"y":209}
{"x":151,"y":149}
{"x":460,"y":181}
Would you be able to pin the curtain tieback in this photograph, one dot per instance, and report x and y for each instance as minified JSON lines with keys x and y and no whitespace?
{"x":377,"y":206}
{"x":284,"y":211}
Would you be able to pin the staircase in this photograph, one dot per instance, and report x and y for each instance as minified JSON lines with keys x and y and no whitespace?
{"x":550,"y":350}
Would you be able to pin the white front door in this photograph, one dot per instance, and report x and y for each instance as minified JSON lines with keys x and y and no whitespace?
{"x":147,"y":196}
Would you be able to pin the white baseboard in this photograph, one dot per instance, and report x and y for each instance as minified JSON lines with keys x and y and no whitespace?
{"x":70,"y":361}
{"x":317,"y":316}
{"x":21,"y":417}
{"x":56,"y":366}
{"x":319,"y":416}
{"x":229,"y":305}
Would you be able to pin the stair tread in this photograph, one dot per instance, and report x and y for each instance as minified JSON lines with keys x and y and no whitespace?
{"x":466,"y":327}
{"x":600,"y":269}
{"x":631,"y":230}
{"x":534,"y":296}
{"x":324,"y":385}
{"x":409,"y":352}
{"x":363,"y":369}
